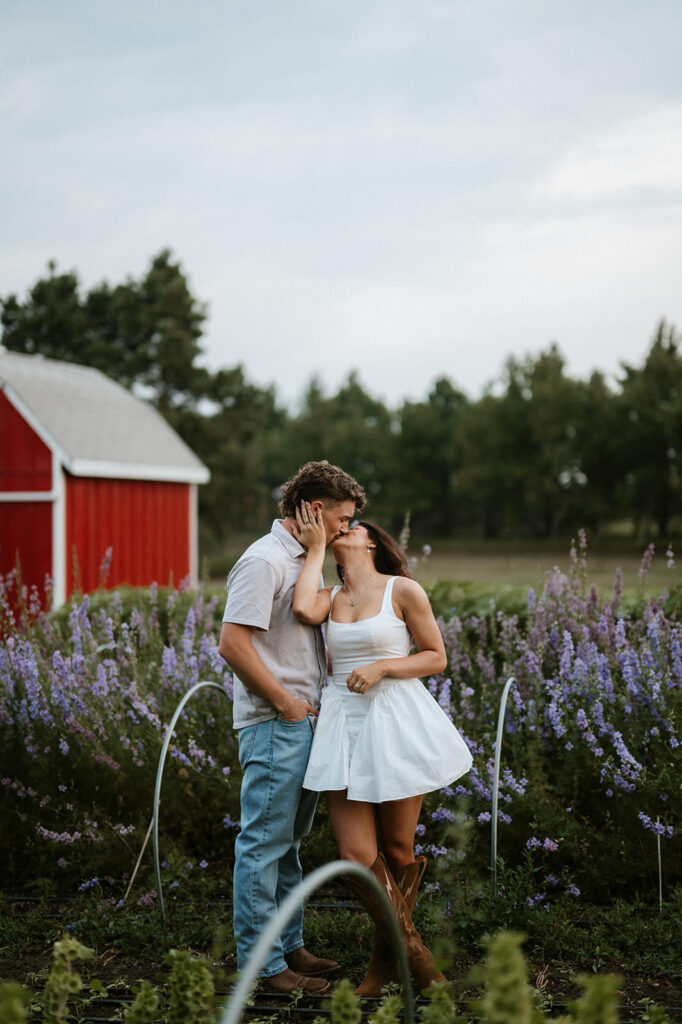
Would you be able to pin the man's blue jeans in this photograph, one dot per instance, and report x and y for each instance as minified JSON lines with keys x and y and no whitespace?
{"x":275,"y":815}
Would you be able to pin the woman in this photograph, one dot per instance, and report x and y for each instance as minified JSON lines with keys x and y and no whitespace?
{"x":381,"y":740}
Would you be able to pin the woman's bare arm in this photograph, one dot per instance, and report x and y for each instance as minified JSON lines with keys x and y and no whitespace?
{"x":311,"y":604}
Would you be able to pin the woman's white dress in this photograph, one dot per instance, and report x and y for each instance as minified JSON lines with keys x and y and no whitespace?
{"x":391,"y":742}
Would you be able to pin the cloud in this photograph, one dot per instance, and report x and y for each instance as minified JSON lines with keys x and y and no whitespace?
{"x":638,"y":158}
{"x":409,"y":190}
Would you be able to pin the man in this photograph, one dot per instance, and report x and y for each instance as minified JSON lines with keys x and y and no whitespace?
{"x":279,"y":666}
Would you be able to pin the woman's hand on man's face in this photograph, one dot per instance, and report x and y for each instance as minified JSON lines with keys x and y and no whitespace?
{"x":310,"y":531}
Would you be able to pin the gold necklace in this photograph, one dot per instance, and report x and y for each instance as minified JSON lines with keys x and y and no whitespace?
{"x":351,"y":602}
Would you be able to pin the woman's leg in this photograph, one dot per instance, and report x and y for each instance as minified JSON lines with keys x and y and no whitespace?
{"x":354,"y":825}
{"x":397,"y":821}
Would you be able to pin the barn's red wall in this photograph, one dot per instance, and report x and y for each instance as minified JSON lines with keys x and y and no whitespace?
{"x":145,"y":523}
{"x":25,"y":461}
{"x":26,"y":528}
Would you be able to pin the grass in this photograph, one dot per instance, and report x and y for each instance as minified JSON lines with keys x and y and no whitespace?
{"x":630,"y":939}
{"x":494,"y":564}
{"x":519,"y":568}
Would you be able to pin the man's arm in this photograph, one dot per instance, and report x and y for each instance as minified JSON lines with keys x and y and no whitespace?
{"x":237,"y":649}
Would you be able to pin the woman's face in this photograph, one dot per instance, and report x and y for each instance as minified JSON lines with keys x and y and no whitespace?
{"x":356,"y":538}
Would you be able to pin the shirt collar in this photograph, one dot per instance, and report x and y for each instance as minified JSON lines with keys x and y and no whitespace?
{"x":287,"y":540}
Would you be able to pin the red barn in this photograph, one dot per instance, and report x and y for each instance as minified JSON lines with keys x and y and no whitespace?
{"x":86,"y":467}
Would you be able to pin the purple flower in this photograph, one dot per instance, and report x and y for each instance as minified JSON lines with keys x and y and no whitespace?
{"x":84,"y":886}
{"x":645,"y":564}
{"x":656,"y":827}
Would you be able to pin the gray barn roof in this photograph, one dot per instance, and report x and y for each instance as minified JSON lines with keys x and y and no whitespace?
{"x":97,"y":427}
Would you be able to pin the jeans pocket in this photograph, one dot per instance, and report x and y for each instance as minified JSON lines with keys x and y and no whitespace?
{"x":247,"y":738}
{"x":290,"y":725}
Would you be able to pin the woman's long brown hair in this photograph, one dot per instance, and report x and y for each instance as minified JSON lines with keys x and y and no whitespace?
{"x":389,"y":558}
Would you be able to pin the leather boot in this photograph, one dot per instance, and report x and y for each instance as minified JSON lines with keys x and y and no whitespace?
{"x":289,"y":981}
{"x":312,"y":966}
{"x":383,"y":966}
{"x":421,"y":963}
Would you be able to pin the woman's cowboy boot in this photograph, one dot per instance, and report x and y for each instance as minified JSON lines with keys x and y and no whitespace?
{"x":383,"y":966}
{"x":421,"y":963}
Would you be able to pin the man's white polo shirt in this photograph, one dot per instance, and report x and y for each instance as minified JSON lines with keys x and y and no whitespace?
{"x":259,"y":593}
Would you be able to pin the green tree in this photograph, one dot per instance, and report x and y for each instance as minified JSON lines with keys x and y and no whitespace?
{"x":428,"y":460}
{"x":51,"y":321}
{"x":352,"y":429}
{"x":235,"y":433}
{"x":521,"y":469}
{"x":143,"y":334}
{"x":601,"y":456}
{"x":651,"y":425}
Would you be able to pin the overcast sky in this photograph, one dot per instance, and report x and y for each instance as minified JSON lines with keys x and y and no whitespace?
{"x":409,"y":189}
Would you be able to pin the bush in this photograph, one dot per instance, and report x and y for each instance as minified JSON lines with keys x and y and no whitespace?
{"x":591,"y":759}
{"x":188,"y":995}
{"x":85,"y":700}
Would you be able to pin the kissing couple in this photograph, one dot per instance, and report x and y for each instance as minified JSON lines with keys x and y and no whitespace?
{"x":349,"y":718}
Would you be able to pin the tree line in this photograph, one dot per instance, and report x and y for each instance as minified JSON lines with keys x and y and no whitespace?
{"x":539,"y":454}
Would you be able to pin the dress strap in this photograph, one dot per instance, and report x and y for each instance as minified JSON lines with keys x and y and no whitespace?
{"x":387,"y":603}
{"x":335,"y":591}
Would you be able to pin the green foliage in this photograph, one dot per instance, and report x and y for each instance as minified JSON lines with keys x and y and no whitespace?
{"x":651,"y":416}
{"x":541,"y":454}
{"x":598,"y":1003}
{"x":188,"y":995}
{"x":507,"y":998}
{"x":344,"y":1005}
{"x":141,"y":333}
{"x":440,"y":1008}
{"x":653,"y":1014}
{"x":63,"y":983}
{"x":388,"y":1011}
{"x":466,"y":599}
{"x":81,"y":810}
{"x":13,"y":1000}
{"x":144,"y":1006}
{"x":429,"y":460}
{"x":191,"y":989}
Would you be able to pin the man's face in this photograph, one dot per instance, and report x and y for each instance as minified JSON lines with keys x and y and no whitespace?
{"x":336,"y":516}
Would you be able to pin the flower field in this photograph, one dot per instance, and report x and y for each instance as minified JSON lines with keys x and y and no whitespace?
{"x":590,"y":787}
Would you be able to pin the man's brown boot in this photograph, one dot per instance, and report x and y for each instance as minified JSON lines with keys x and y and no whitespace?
{"x":421,"y":963}
{"x":305,"y":963}
{"x":383,"y":966}
{"x":289,"y":981}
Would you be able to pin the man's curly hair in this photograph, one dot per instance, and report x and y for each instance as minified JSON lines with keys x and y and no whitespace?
{"x":320,"y":480}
